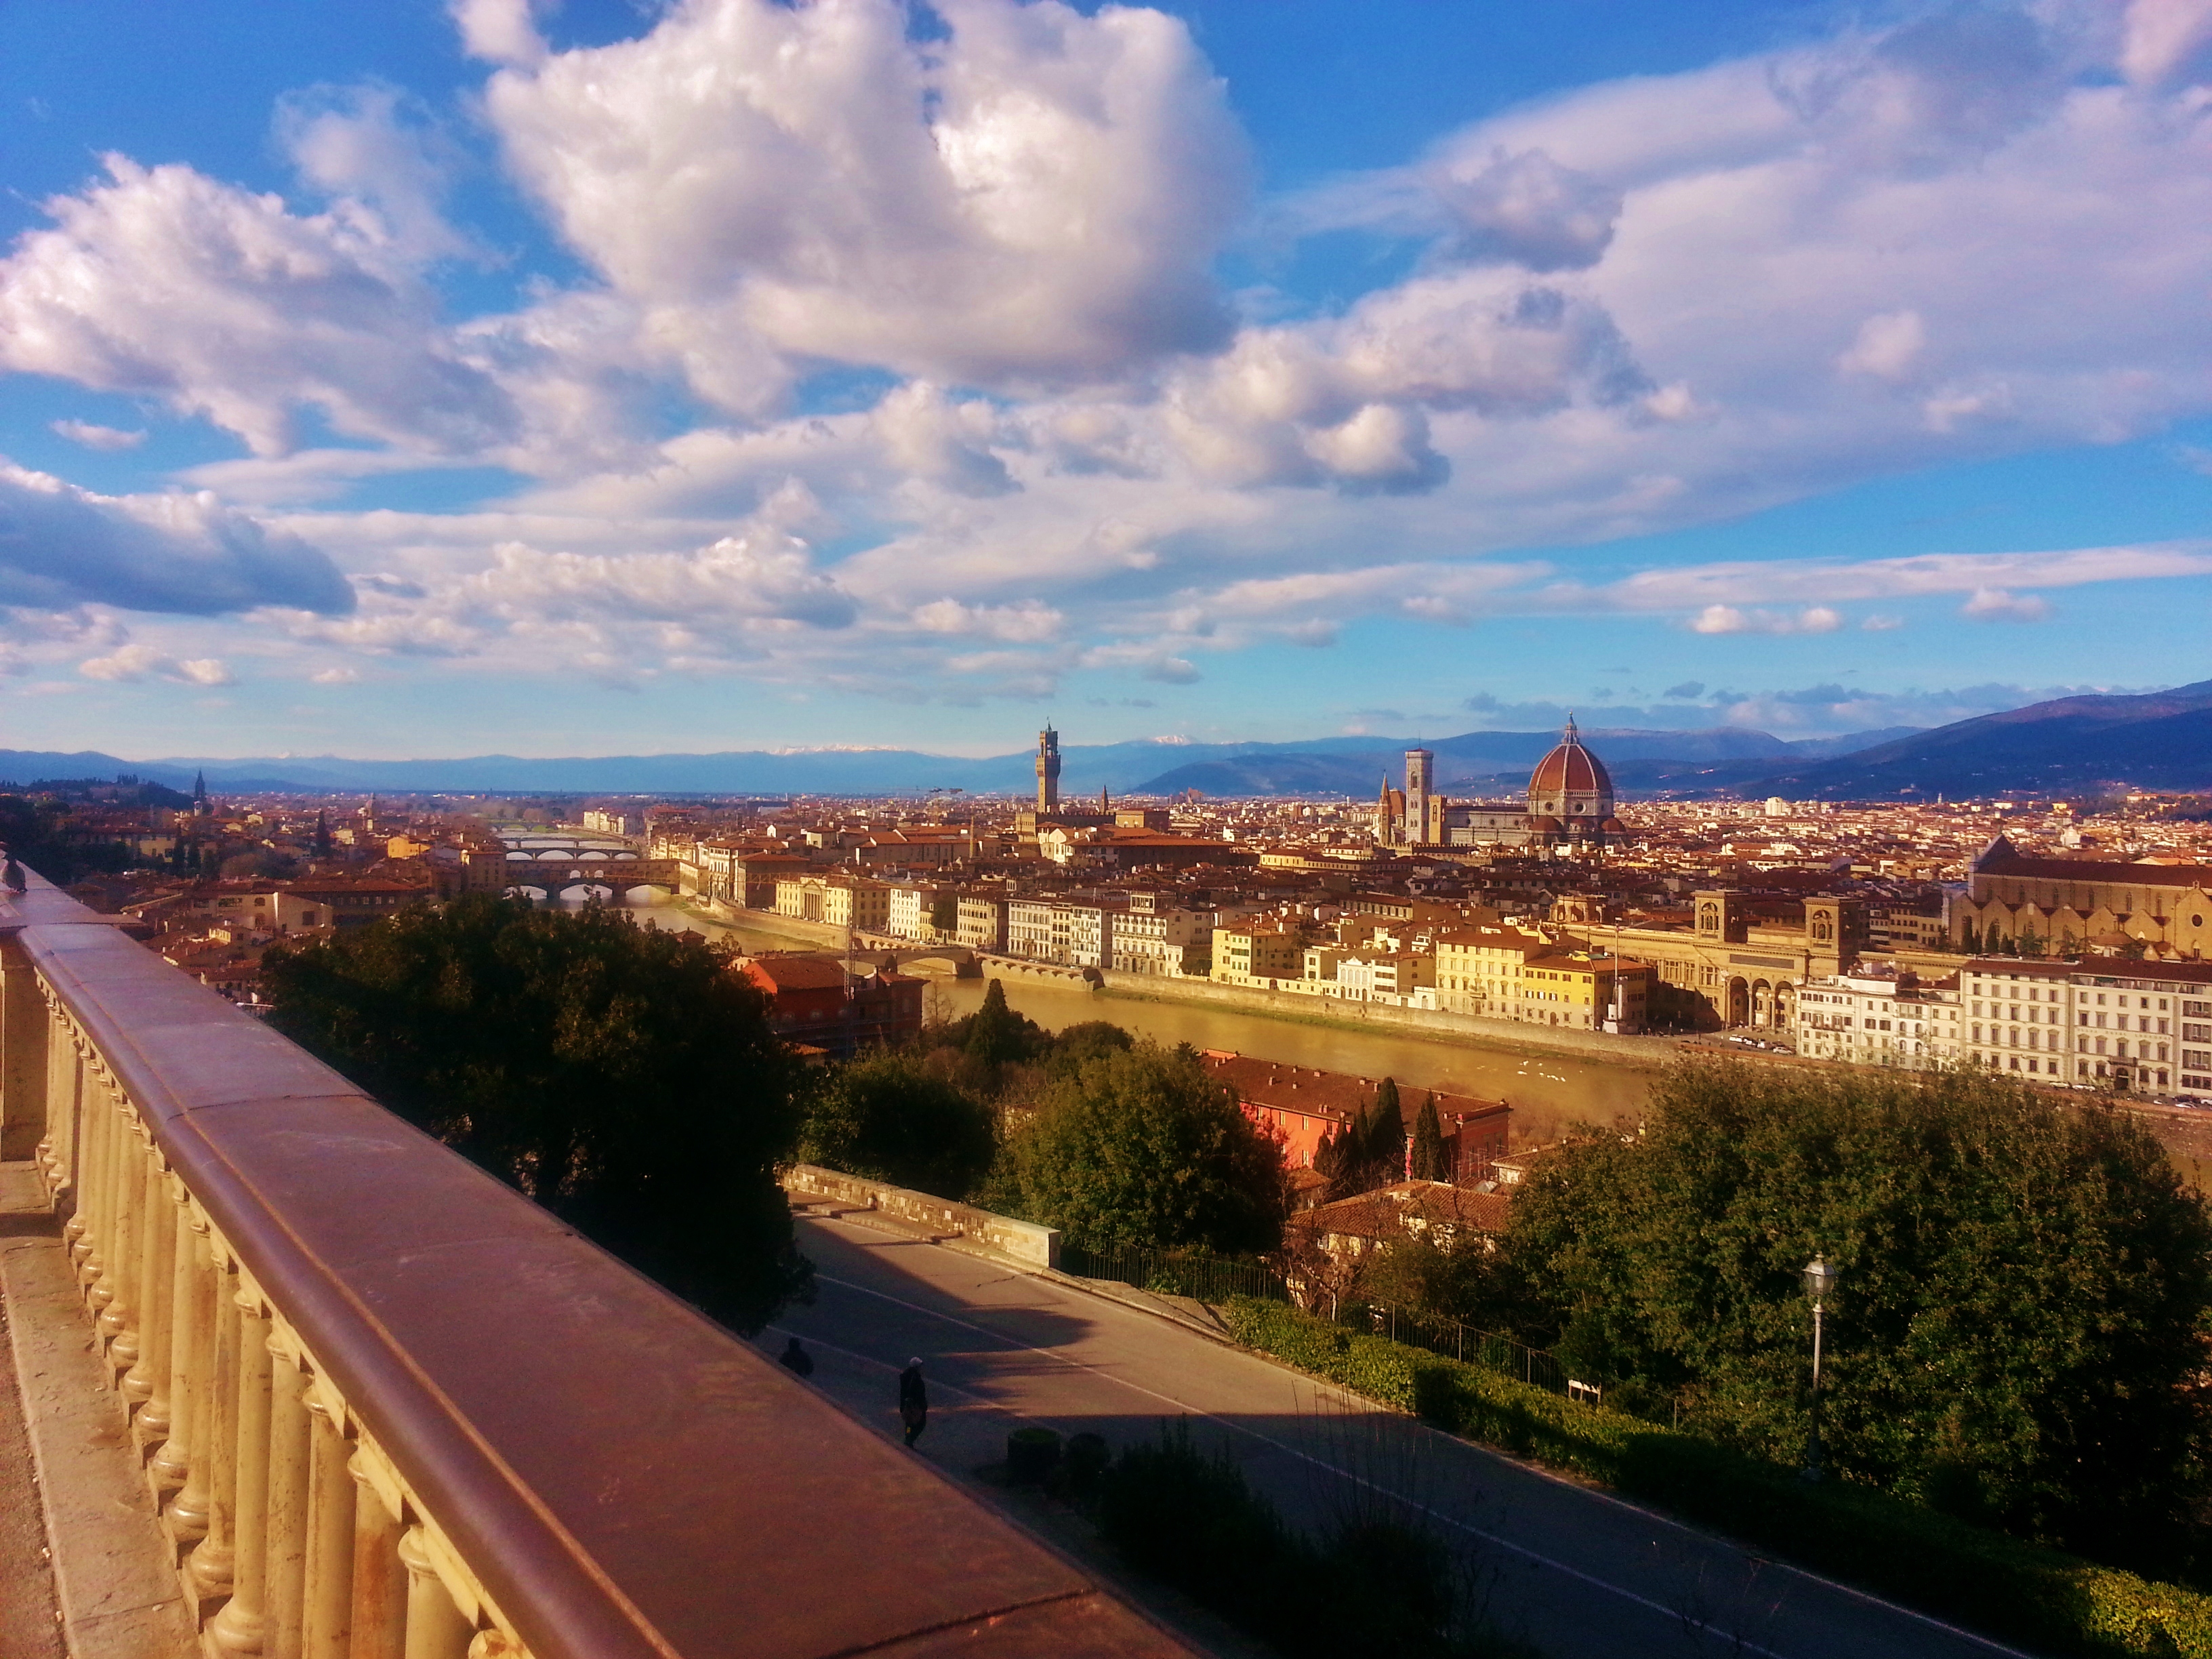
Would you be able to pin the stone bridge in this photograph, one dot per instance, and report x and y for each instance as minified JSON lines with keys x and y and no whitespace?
{"x":553,"y":871}
{"x":873,"y":949}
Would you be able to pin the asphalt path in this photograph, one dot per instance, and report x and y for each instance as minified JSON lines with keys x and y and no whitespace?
{"x":1578,"y":1572}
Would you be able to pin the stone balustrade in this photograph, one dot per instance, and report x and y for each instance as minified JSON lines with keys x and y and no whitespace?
{"x":391,"y":1409}
{"x":1024,"y":1241}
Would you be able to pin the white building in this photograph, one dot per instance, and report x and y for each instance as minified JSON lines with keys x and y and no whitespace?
{"x":1878,"y":1016}
{"x":2098,"y":1022}
{"x":1155,"y":936}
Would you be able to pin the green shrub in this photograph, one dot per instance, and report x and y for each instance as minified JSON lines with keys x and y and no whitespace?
{"x":1980,"y":1578}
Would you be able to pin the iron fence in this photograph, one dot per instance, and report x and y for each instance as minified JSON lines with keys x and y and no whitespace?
{"x":1492,"y":1350}
{"x":1172,"y":1272}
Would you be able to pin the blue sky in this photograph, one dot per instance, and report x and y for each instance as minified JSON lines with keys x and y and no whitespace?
{"x":414,"y":379}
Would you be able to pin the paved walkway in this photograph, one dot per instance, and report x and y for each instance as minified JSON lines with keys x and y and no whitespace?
{"x":1578,"y":1572}
{"x":85,"y":1567}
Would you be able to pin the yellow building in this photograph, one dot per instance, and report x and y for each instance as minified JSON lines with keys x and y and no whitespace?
{"x":840,"y":900}
{"x":1248,"y":954}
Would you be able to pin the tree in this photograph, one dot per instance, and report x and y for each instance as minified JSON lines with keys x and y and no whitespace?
{"x":944,"y":912}
{"x":1386,"y":1135}
{"x":1142,"y":1145}
{"x":885,"y":1118}
{"x":996,"y":1035}
{"x":1074,"y":1045}
{"x":2019,"y":1331}
{"x":624,"y":1078}
{"x":1431,"y":1159}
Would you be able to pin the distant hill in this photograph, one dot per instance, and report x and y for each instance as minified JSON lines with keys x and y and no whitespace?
{"x":1498,"y":763}
{"x":2159,"y":740}
{"x":1473,"y":763}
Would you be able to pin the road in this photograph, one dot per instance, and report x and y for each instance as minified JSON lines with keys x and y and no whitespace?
{"x":1577,"y":1572}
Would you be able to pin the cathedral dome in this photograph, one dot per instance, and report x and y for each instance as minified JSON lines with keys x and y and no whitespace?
{"x":1570,"y":783}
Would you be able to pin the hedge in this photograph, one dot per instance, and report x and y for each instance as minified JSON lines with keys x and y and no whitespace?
{"x":1979,"y":1578}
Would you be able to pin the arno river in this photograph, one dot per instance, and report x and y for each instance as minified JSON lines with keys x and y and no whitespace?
{"x":1548,"y":1092}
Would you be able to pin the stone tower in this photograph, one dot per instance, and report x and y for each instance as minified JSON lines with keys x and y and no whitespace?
{"x":1047,"y":772}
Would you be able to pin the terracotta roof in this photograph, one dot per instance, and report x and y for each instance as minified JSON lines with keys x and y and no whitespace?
{"x":1386,"y":1213}
{"x":798,"y":973}
{"x":1570,"y":768}
{"x":2096,"y":870}
{"x":1332,"y":1094}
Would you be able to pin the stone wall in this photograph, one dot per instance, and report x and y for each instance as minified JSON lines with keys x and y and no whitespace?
{"x":1022,"y":1240}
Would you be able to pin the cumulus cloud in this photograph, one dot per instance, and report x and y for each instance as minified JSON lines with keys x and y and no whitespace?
{"x":140,"y":662}
{"x":1036,"y":198}
{"x":1886,"y":346}
{"x":2162,"y":38}
{"x":1527,"y":210}
{"x":1728,"y":619}
{"x":166,"y":283}
{"x":63,"y":546}
{"x":107,"y":438}
{"x":374,"y":145}
{"x":1025,"y":623}
{"x":1995,"y":604}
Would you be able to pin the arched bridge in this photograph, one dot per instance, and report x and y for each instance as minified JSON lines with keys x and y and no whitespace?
{"x":871,"y":950}
{"x":553,"y":873}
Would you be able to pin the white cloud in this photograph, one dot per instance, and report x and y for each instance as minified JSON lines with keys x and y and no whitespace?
{"x":2161,"y":38}
{"x":1026,"y":623}
{"x":139,"y":662}
{"x":108,"y":438}
{"x":61,"y":546}
{"x":1995,"y":604}
{"x":163,"y":282}
{"x":498,"y":31}
{"x":1728,"y":619}
{"x":1886,"y":346}
{"x":1037,"y":197}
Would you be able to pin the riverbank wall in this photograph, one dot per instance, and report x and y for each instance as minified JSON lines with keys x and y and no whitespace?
{"x":1642,"y":1052}
{"x":1646,"y":1053}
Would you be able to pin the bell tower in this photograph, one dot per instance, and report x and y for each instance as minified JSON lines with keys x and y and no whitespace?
{"x":1047,"y":772}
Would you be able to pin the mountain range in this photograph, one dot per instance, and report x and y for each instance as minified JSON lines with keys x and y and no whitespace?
{"x":2159,"y":740}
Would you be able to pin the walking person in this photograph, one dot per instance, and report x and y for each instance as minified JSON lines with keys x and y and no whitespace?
{"x":914,"y":1401}
{"x":796,"y":1360}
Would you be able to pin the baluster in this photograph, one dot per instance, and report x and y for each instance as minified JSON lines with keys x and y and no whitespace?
{"x":191,"y":1372}
{"x":66,"y":1173}
{"x":327,"y":1601}
{"x":496,"y":1644}
{"x":288,"y":1428}
{"x":214,"y":1560}
{"x":147,"y":1380}
{"x":435,"y":1628}
{"x":380,"y":1582}
{"x":237,"y":1629}
{"x":172,"y":1463}
{"x":86,"y":1251}
{"x":120,"y":1319}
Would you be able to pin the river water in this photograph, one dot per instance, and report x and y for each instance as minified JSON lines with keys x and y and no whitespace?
{"x":1548,"y":1092}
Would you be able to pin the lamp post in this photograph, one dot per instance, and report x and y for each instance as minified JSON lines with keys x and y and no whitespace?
{"x":1820,"y":1284}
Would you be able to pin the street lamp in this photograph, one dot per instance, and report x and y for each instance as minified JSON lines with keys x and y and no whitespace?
{"x":1820,"y":1284}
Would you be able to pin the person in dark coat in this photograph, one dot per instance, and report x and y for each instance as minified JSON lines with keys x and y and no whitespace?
{"x":796,"y":1359}
{"x":914,"y":1401}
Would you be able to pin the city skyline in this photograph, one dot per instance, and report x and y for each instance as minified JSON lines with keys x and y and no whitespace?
{"x":389,"y":383}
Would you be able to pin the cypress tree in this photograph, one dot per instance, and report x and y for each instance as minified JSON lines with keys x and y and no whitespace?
{"x":1429,"y":1160}
{"x":1386,"y":1134}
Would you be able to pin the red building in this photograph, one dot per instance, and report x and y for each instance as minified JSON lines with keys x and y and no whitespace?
{"x":1299,"y":1105}
{"x":811,"y":1000}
